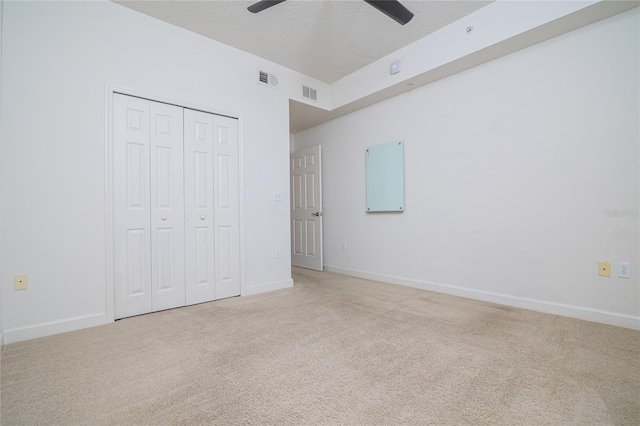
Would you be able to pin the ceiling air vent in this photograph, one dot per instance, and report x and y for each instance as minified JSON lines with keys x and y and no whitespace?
{"x":309,"y":93}
{"x":268,"y":79}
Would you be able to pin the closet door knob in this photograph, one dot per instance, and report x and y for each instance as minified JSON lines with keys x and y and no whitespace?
{"x":201,"y":217}
{"x":164,"y":218}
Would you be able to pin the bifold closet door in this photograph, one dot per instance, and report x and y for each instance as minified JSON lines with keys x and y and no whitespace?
{"x":175,"y":206}
{"x":167,"y":207}
{"x":199,"y":210}
{"x":212,"y":208}
{"x":131,"y":206}
{"x":148,"y":203}
{"x":227,"y":207}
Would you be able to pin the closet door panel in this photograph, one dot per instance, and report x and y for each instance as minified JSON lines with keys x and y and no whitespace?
{"x":227,"y":207}
{"x":199,"y":208}
{"x":167,"y":206}
{"x":131,"y":204}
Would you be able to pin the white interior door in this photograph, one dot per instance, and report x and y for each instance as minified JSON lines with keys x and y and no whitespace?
{"x":306,"y":208}
{"x":227,"y":207}
{"x":199,"y":209}
{"x":131,"y":205}
{"x":167,"y":207}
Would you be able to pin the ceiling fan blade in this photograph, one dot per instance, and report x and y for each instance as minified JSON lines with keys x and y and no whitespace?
{"x":393,"y":9}
{"x":262,"y":5}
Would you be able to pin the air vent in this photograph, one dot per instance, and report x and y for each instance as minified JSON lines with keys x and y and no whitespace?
{"x":309,"y":93}
{"x":268,"y":79}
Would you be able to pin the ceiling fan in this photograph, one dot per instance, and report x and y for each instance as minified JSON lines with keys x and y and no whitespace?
{"x":391,"y":8}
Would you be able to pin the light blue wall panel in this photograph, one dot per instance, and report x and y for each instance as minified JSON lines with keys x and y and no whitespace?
{"x":385,"y":177}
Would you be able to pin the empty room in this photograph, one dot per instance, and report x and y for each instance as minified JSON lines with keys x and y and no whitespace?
{"x":320,"y":212}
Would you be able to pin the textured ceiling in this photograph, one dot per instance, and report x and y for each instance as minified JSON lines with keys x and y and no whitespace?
{"x":326,"y":40}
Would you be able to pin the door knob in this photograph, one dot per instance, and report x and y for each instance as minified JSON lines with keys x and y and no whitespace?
{"x":201,"y":217}
{"x":164,"y":218}
{"x":316,"y":214}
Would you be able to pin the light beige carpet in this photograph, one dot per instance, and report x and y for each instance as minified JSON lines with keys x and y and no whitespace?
{"x":331,"y":350}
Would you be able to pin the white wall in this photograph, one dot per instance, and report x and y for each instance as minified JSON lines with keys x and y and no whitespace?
{"x":505,"y":198}
{"x":58,"y":58}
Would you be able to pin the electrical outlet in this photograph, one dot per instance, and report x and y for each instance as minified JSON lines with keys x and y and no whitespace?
{"x":604,"y":269}
{"x":624,"y":270}
{"x":20,"y":282}
{"x":277,"y":196}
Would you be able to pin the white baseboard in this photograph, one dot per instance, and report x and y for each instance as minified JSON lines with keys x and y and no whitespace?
{"x":54,"y":327}
{"x":20,"y":334}
{"x":572,"y":311}
{"x":263,"y":288}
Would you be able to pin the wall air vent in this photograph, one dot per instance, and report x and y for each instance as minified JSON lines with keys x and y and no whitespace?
{"x":309,"y":93}
{"x":268,"y":79}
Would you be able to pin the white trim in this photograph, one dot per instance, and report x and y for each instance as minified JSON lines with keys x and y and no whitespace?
{"x":53,"y":327}
{"x":108,"y":202}
{"x":263,"y":288}
{"x":1,"y":340}
{"x":109,"y":92}
{"x":562,"y":309}
{"x":241,"y":201}
{"x":2,"y":31}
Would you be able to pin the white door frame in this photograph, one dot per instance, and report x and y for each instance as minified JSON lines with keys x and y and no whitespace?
{"x":110,"y":90}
